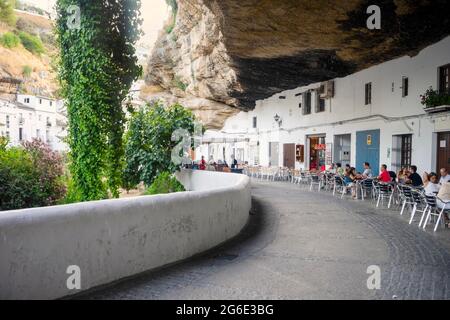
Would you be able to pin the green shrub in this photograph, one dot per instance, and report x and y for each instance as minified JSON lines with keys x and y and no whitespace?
{"x":165,"y":183}
{"x":7,"y":14}
{"x":30,"y":176}
{"x":31,"y":43}
{"x":26,"y":71}
{"x":9,"y":40}
{"x":148,"y":141}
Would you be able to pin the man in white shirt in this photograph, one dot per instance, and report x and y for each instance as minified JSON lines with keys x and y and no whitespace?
{"x":367,"y":171}
{"x":445,"y":177}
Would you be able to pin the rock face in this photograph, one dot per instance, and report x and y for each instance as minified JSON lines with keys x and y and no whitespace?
{"x":225,"y":55}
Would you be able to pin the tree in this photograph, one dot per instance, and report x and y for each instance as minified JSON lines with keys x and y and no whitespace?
{"x":7,"y":14}
{"x":148,"y":142}
{"x":97,"y":67}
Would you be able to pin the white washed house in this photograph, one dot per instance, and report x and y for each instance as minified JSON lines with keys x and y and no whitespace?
{"x":373,"y":115}
{"x":29,"y":117}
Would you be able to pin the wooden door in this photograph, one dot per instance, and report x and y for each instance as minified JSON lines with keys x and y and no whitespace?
{"x":289,"y":155}
{"x":443,"y":156}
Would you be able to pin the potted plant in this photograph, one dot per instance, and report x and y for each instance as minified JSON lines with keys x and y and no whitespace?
{"x":435,"y":101}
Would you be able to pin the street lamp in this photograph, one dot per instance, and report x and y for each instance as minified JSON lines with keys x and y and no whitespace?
{"x":278,"y":120}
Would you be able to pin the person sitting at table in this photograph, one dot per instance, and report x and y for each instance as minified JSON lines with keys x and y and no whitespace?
{"x":384,"y":175}
{"x":367,"y":173}
{"x":402,"y":175}
{"x":431,"y":184}
{"x":350,"y":180}
{"x":444,"y":195}
{"x":414,"y":178}
{"x":339,"y":170}
{"x":445,"y":177}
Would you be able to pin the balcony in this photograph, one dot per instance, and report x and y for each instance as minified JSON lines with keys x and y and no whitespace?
{"x":436,"y":101}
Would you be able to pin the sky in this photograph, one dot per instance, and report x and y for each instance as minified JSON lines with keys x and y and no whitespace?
{"x":154,"y":13}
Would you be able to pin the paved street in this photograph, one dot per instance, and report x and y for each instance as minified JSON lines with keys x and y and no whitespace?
{"x":303,"y":245}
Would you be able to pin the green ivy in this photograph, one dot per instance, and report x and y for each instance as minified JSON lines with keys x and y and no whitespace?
{"x":97,"y":67}
{"x":148,"y":144}
{"x":165,"y":182}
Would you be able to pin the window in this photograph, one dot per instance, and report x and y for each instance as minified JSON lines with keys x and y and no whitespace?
{"x":51,"y":103}
{"x":406,"y":150}
{"x":7,"y":122}
{"x":7,"y":134}
{"x":38,"y":133}
{"x":20,"y":134}
{"x":26,"y":100}
{"x":405,"y":87}
{"x":307,"y":103}
{"x":40,"y":101}
{"x":444,"y":79}
{"x":255,"y":122}
{"x":368,"y":93}
{"x":320,"y":103}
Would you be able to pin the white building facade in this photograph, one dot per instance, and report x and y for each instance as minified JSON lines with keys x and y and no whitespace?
{"x":31,"y":117}
{"x":374,"y":115}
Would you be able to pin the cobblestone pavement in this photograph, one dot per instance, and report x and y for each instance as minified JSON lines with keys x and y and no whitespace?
{"x":306,"y":245}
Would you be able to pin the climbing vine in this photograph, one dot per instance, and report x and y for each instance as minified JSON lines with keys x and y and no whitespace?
{"x":96,"y":69}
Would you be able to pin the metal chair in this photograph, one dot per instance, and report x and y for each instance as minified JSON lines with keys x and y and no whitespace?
{"x":366,"y":186}
{"x":433,"y":210}
{"x":315,"y":180}
{"x":420,"y":204}
{"x":384,"y":192}
{"x":406,"y":197}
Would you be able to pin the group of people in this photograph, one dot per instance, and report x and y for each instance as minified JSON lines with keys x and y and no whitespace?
{"x":211,"y":165}
{"x":431,"y":183}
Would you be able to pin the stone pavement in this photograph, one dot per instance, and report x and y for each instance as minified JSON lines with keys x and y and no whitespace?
{"x":305,"y":245}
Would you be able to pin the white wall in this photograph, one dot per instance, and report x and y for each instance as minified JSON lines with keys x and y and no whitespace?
{"x":348,"y":105}
{"x":113,"y":239}
{"x":36,"y":112}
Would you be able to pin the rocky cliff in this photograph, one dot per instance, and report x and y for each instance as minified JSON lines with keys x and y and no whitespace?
{"x":35,"y":71}
{"x":221,"y":56}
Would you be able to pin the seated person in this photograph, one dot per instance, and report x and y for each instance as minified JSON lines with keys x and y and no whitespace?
{"x":384,"y":175}
{"x":339,"y":170}
{"x":445,"y":177}
{"x":350,"y":179}
{"x":444,"y":195}
{"x":431,"y":183}
{"x":402,"y":175}
{"x":414,"y":178}
{"x":367,"y":173}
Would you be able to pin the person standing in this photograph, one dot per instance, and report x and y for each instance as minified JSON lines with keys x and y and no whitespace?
{"x":202,"y":164}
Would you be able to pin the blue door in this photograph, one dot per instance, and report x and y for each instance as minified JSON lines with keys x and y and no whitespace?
{"x":368,"y":150}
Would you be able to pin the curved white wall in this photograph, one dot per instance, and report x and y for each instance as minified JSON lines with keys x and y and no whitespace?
{"x":113,"y":239}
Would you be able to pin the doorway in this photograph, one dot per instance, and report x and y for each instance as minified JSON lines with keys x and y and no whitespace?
{"x":401,"y":152}
{"x":317,"y":148}
{"x":289,"y":155}
{"x":368,"y":150}
{"x":443,"y":147}
{"x":342,"y":148}
{"x":273,"y":154}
